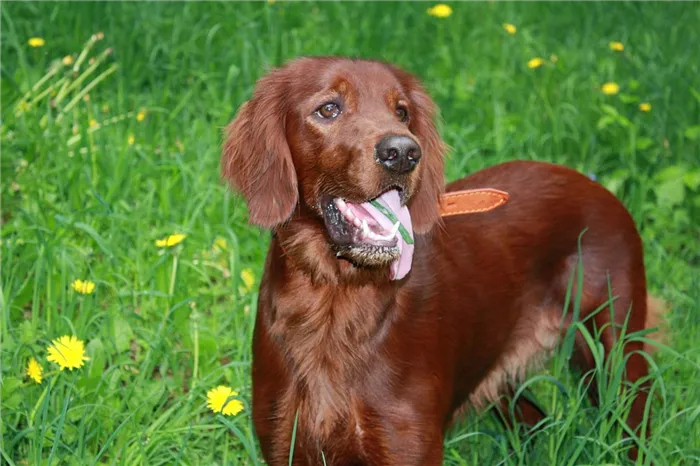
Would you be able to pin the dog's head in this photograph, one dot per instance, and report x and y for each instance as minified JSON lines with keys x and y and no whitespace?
{"x":349,"y":142}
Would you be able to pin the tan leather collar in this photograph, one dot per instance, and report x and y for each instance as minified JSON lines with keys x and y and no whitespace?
{"x":471,"y":201}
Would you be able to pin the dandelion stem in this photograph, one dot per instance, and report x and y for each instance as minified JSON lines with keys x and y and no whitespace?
{"x":89,"y":87}
{"x":76,"y":67}
{"x":196,"y":349}
{"x":171,"y":290}
{"x":109,"y":121}
{"x":45,"y":78}
{"x":93,"y":160}
{"x":48,"y":387}
{"x":83,"y":53}
{"x":40,"y":96}
{"x":38,"y":85}
{"x":46,"y":91}
{"x":4,"y":312}
{"x":82,"y":77}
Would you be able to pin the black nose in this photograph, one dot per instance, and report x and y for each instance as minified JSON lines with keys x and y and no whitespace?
{"x":399,"y":154}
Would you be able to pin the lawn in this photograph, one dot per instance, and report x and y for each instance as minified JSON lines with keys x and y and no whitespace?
{"x":100,"y":167}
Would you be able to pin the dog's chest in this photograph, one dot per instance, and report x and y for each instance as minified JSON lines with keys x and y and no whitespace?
{"x":326,"y":428}
{"x":331,"y":340}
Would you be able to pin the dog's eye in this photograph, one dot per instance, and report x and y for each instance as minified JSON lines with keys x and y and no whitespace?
{"x":402,"y":113}
{"x":328,"y":111}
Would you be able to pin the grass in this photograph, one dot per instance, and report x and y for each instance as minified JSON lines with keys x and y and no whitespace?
{"x":165,"y":325}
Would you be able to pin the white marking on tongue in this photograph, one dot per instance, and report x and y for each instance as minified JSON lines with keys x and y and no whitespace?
{"x":394,"y":229}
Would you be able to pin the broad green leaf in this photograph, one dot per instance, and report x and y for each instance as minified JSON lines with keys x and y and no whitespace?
{"x":610,"y":110}
{"x":692,"y":179}
{"x":644,"y":143}
{"x":670,"y":193}
{"x":693,"y":132}
{"x":605,"y":122}
{"x":629,"y":99}
{"x":672,"y":173}
{"x":122,"y":333}
{"x":681,"y":217}
{"x":96,"y":353}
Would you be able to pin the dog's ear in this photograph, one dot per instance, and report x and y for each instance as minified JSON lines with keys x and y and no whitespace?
{"x":424,"y":203}
{"x":256,"y":157}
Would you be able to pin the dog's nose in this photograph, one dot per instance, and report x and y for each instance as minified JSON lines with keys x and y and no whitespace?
{"x":398,"y":154}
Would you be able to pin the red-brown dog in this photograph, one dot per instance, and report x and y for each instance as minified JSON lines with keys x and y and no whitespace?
{"x":378,"y":319}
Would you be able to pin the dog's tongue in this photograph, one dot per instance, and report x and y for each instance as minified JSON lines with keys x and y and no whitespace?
{"x":392,"y":202}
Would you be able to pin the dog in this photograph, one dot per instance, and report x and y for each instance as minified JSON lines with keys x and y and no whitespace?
{"x":380,"y":318}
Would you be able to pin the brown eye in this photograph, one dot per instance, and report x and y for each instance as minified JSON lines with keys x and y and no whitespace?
{"x":402,"y":113}
{"x":328,"y":111}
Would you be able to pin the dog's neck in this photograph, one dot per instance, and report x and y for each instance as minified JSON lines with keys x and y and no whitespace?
{"x":329,"y":317}
{"x":305,"y":246}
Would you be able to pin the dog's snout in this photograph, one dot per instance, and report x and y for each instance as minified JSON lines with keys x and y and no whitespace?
{"x":398,"y":154}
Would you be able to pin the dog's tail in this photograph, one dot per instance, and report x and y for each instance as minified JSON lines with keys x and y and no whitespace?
{"x":656,"y":308}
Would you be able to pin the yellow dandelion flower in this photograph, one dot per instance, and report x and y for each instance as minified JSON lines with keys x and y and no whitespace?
{"x":610,"y":88}
{"x":67,"y":60}
{"x":180,"y":146}
{"x":23,"y":106}
{"x":440,"y":11}
{"x":170,"y":241}
{"x":248,"y":278}
{"x":131,"y":139}
{"x":141,"y":116}
{"x":83,"y":287}
{"x":645,"y":107}
{"x":34,"y":370}
{"x":616,"y":46}
{"x":36,"y":42}
{"x":220,"y":243}
{"x":510,"y":28}
{"x":93,"y":123}
{"x":217,"y":401}
{"x":67,"y":352}
{"x":535,"y":63}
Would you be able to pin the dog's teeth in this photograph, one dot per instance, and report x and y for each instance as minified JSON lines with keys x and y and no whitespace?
{"x":366,"y":232}
{"x":363,"y":235}
{"x":340,"y":204}
{"x":349,"y":214}
{"x":357,"y":222}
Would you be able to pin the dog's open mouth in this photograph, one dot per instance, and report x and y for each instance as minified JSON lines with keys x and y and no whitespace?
{"x":374,"y":233}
